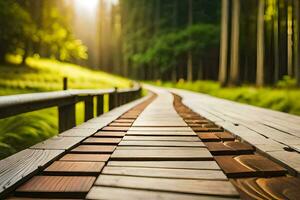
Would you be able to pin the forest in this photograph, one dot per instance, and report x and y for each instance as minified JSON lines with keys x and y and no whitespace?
{"x":231,"y":41}
{"x":243,"y":50}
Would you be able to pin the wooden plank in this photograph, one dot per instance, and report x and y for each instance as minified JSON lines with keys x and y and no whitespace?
{"x":229,"y":148}
{"x":160,"y":133}
{"x":109,"y":134}
{"x":165,"y":173}
{"x":208,"y":137}
{"x":58,"y":143}
{"x":162,"y":129}
{"x":268,"y":188}
{"x":76,"y":132}
{"x":160,"y":138}
{"x":158,"y":154}
{"x":93,"y":149}
{"x":205,"y":187}
{"x":225,"y":136}
{"x":96,"y":140}
{"x":86,"y":157}
{"x":212,"y":165}
{"x":290,"y":159}
{"x":22,"y":164}
{"x":249,"y":165}
{"x":120,"y":124}
{"x":205,"y":129}
{"x":112,"y":193}
{"x":124,"y":120}
{"x":56,"y":186}
{"x":162,"y":143}
{"x":74,"y":168}
{"x":114,"y":128}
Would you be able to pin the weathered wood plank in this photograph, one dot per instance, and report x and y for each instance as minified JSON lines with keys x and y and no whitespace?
{"x":162,"y":143}
{"x":77,"y":132}
{"x":112,"y":193}
{"x":249,"y":165}
{"x":86,"y":157}
{"x":160,"y":138}
{"x":15,"y":168}
{"x":268,"y":188}
{"x":109,"y":134}
{"x":56,"y":186}
{"x":160,"y":133}
{"x":167,"y":154}
{"x":58,"y":143}
{"x":205,"y":187}
{"x":95,"y":140}
{"x":162,"y":129}
{"x":229,"y":148}
{"x":212,"y":165}
{"x":74,"y":168}
{"x":165,"y":173}
{"x":93,"y":149}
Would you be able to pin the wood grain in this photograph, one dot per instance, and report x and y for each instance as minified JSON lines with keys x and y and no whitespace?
{"x":168,"y":164}
{"x":86,"y":157}
{"x":22,"y":164}
{"x":205,"y":187}
{"x":56,"y":186}
{"x":93,"y":149}
{"x":158,"y":154}
{"x":162,"y":143}
{"x":109,"y":134}
{"x":112,"y":193}
{"x":165,"y":173}
{"x":95,"y":140}
{"x":74,"y":168}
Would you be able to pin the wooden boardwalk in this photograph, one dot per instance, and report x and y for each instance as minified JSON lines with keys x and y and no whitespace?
{"x":155,"y":148}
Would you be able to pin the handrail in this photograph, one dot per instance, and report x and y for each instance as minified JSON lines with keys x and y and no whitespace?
{"x":65,"y":101}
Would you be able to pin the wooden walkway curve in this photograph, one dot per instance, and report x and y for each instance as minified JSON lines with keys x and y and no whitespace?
{"x":154,"y":148}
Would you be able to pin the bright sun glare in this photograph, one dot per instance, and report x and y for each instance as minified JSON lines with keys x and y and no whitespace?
{"x":87,"y":5}
{"x":91,"y":5}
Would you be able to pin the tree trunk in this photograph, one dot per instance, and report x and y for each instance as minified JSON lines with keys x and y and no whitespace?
{"x":296,"y":40}
{"x":190,"y":55}
{"x":175,"y":14}
{"x":224,"y":43}
{"x":276,"y":43}
{"x":290,"y":40}
{"x":260,"y":44}
{"x":235,"y":33}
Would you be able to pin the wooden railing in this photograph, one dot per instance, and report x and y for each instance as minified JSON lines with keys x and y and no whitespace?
{"x":66,"y":101}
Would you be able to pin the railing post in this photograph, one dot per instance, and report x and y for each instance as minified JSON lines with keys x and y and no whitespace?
{"x":88,"y":108}
{"x":65,"y":83}
{"x":100,"y":105}
{"x":66,"y":117}
{"x":113,"y":99}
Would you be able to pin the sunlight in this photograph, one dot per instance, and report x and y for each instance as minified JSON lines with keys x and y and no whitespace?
{"x":87,"y":5}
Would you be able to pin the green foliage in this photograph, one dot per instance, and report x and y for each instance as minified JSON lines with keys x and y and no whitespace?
{"x":56,"y":36}
{"x":287,"y":82}
{"x":281,"y":99}
{"x":15,"y":23}
{"x":165,"y":49}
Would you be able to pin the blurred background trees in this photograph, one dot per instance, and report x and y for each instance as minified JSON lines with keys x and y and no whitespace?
{"x":231,"y":41}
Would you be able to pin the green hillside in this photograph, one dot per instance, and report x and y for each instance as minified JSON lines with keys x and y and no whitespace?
{"x":22,"y":131}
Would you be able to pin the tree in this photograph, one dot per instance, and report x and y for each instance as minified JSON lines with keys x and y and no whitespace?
{"x":190,"y":54}
{"x":296,"y":40}
{"x":235,"y":37}
{"x":15,"y":23}
{"x":224,"y":43}
{"x":260,"y":44}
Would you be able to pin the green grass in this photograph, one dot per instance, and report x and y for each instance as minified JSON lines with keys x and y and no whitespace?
{"x":22,"y":131}
{"x":280,"y":99}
